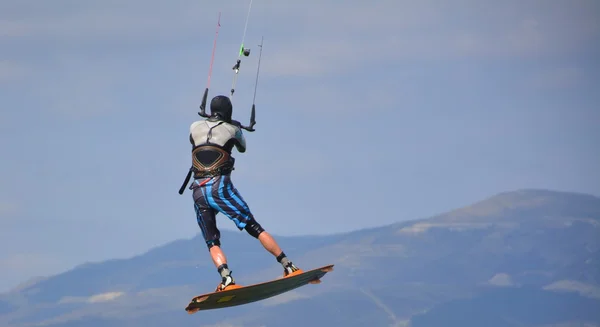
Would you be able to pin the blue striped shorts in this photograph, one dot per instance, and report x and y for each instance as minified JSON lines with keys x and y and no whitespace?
{"x":218,"y":195}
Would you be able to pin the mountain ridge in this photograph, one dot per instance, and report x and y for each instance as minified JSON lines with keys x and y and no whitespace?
{"x":404,"y":273}
{"x":444,"y":216}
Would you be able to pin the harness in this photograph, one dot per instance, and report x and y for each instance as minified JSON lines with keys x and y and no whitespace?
{"x":209,"y":160}
{"x":221,"y":161}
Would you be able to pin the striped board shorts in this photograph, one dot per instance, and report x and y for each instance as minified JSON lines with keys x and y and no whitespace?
{"x":215,"y":195}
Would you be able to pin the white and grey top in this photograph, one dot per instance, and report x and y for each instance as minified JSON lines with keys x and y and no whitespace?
{"x":213,"y":141}
{"x":217,"y":133}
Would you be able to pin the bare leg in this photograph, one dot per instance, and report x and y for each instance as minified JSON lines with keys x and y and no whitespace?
{"x":269,"y":243}
{"x":220,"y":261}
{"x":217,"y":255}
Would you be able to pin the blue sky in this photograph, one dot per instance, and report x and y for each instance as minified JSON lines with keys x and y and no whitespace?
{"x":368,"y":114}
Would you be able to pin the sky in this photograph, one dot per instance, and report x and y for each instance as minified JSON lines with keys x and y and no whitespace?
{"x":368,"y":113}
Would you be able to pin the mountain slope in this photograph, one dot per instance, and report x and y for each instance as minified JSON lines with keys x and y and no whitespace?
{"x":530,"y":245}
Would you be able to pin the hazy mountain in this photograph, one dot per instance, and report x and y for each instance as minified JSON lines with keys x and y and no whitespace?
{"x":524,"y":258}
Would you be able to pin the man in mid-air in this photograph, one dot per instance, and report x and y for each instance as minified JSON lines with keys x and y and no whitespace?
{"x":212,"y":141}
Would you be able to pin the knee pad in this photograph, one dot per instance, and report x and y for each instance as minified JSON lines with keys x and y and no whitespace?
{"x":254,"y":229}
{"x":210,"y":244}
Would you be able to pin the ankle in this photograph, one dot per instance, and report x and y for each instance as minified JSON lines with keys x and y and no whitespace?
{"x":282,"y":259}
{"x":224,"y":270}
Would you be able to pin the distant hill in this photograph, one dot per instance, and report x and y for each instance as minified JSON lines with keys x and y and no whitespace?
{"x":522,"y":258}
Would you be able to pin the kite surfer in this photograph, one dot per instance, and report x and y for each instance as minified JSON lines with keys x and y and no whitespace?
{"x":212,"y":142}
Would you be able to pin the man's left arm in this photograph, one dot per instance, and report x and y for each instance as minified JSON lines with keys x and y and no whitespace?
{"x":241,"y":140}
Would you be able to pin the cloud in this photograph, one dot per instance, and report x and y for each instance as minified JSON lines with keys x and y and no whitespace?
{"x":584,"y":289}
{"x":97,"y":298}
{"x":501,"y":279}
{"x":419,"y":228}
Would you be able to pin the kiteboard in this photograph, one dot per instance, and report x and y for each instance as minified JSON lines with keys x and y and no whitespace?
{"x":235,"y":295}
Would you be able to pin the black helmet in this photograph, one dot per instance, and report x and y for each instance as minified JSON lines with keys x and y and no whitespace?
{"x":221,"y":108}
